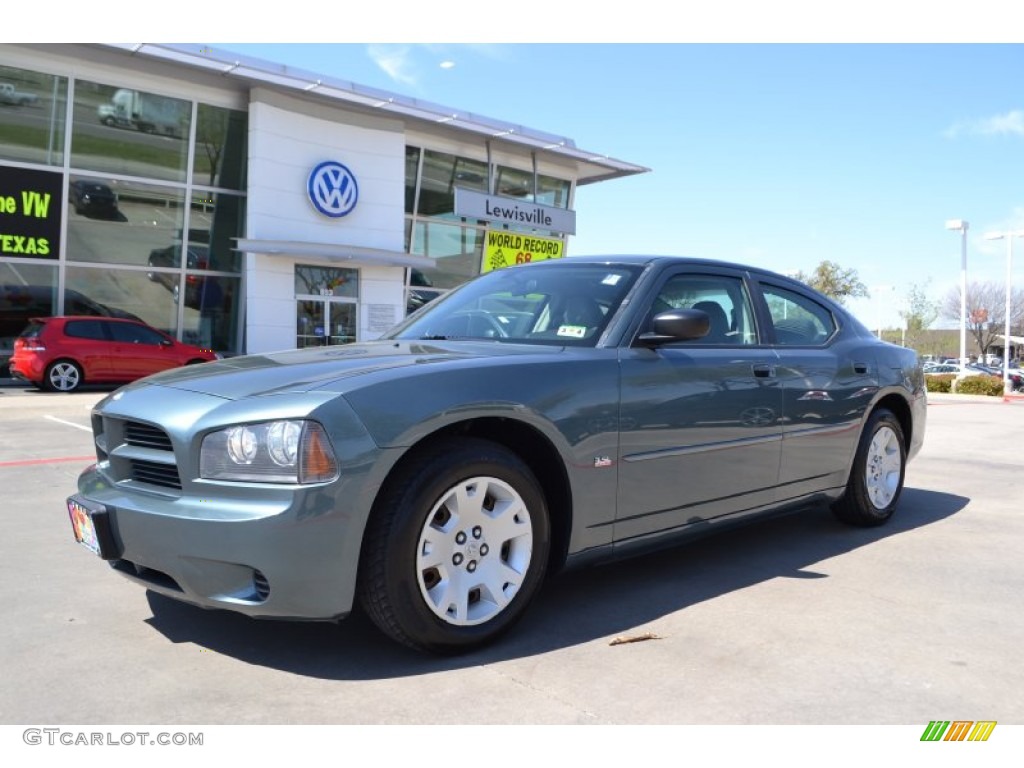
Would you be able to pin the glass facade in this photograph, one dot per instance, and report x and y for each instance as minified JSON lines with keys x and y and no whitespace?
{"x":135,"y":200}
{"x":125,"y":201}
{"x":457,"y":244}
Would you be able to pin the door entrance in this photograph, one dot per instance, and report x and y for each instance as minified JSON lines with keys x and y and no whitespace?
{"x":324,"y":321}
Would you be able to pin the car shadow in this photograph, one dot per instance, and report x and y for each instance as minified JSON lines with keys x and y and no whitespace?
{"x":104,"y":215}
{"x":30,"y":390}
{"x":574,"y":608}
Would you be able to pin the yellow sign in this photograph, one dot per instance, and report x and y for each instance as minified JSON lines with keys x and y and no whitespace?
{"x":503,"y":249}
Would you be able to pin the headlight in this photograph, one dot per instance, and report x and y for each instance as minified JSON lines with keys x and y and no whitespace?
{"x":292,"y":451}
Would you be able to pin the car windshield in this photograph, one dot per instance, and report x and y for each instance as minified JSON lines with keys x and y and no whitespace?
{"x":551,"y":303}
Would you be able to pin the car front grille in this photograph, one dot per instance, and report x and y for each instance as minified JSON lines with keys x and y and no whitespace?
{"x":146,"y":436}
{"x":136,"y":451}
{"x":164,"y":475}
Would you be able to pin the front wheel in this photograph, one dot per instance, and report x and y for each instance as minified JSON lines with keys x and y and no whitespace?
{"x":456,"y":549}
{"x":876,"y":479}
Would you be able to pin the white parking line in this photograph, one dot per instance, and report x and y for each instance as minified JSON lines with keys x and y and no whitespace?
{"x":68,"y":423}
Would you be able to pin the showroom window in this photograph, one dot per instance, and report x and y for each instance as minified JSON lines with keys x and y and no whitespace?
{"x":552,"y":191}
{"x":222,"y":151}
{"x":513,"y":182}
{"x":443,"y":172}
{"x":26,"y":291}
{"x":412,"y":169}
{"x":457,"y":245}
{"x":128,"y":131}
{"x":32,"y":122}
{"x":121,"y":221}
{"x":153,"y":194}
{"x":456,"y":251}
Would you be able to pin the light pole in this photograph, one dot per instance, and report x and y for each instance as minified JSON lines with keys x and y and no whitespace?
{"x":1008,"y":236}
{"x":961,"y":226}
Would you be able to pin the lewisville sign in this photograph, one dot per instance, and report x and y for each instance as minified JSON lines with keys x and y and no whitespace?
{"x":505,"y":210}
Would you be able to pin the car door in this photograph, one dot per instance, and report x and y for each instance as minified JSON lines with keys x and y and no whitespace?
{"x":139,"y":351}
{"x":87,"y":342}
{"x":700,"y":421}
{"x":827,"y":381}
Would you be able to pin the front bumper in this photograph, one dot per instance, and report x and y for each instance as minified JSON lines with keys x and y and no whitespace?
{"x":266,"y":558}
{"x":264,"y":550}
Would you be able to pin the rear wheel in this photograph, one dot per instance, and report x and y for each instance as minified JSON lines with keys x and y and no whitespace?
{"x":876,"y":479}
{"x":62,"y":376}
{"x":456,"y":549}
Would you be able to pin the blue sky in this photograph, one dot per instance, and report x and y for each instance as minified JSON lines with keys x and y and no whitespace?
{"x":778,"y":155}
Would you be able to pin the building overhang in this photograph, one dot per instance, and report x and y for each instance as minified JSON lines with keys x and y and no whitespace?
{"x":591,"y":167}
{"x":345,"y":254}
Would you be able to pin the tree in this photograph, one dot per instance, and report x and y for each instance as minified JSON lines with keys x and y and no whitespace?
{"x":986,"y":311}
{"x":835,"y":282}
{"x":918,"y":315}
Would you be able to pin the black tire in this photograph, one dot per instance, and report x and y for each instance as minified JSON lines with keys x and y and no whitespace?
{"x":433,"y":573}
{"x":63,"y":376}
{"x":876,"y":478}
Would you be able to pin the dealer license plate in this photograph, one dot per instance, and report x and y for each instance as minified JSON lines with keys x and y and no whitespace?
{"x":83,"y":526}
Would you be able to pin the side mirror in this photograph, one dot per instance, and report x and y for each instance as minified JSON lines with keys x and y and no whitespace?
{"x":676,"y":325}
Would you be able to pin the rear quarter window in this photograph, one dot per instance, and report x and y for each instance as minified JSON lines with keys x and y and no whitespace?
{"x":798,"y":320}
{"x":32,"y":329}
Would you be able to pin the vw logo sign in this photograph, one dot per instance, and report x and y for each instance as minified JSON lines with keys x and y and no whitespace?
{"x":333,"y":189}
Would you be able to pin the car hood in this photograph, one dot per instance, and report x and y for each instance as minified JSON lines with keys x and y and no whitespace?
{"x":329,"y":369}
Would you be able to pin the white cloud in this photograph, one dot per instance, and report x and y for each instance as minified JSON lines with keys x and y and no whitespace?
{"x":396,"y":62}
{"x":1009,"y":124}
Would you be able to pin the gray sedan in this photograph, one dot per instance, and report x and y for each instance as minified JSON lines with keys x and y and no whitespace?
{"x":538,"y":418}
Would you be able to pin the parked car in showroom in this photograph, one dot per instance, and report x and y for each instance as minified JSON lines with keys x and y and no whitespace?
{"x":61,"y":354}
{"x":537,"y":418}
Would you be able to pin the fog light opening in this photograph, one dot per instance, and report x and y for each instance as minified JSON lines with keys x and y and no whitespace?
{"x":260,"y":585}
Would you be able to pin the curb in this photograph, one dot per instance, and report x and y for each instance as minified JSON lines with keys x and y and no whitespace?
{"x":950,"y":397}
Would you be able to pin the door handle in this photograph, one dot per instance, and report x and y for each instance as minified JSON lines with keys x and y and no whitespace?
{"x":860,"y":367}
{"x":763,"y":370}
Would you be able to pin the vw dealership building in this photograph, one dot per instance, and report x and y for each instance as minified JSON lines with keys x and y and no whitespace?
{"x":245,"y":206}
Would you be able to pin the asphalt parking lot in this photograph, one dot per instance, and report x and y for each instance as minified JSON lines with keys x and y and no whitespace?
{"x":795,"y":620}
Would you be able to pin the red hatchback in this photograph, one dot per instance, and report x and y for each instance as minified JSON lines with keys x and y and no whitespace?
{"x":62,"y":353}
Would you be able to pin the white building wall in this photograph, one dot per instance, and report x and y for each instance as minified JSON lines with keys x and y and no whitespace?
{"x":288,"y":138}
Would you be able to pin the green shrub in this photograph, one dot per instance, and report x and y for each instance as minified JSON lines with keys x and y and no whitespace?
{"x":940,"y":382}
{"x":980,"y":385}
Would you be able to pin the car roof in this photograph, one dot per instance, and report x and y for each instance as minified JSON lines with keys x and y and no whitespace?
{"x":665,"y":259}
{"x":102,"y":318}
{"x":645,"y":259}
